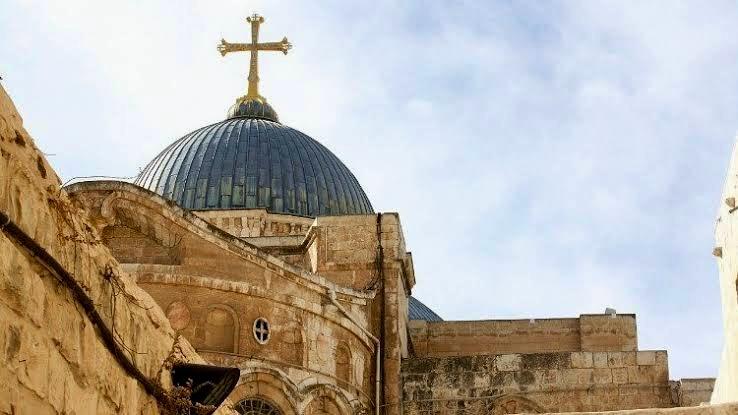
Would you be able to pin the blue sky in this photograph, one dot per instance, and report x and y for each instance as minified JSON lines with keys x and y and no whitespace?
{"x":547,"y":158}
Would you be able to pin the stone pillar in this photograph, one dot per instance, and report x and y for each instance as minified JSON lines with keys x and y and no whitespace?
{"x":396,"y":283}
{"x":391,"y":344}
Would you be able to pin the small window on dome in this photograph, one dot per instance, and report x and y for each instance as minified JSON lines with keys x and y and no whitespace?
{"x":261,"y":330}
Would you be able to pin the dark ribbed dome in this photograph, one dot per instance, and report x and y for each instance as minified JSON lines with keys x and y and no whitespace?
{"x":243,"y":163}
{"x":420,"y":311}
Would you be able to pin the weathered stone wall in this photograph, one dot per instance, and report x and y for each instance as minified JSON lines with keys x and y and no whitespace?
{"x":692,"y":392}
{"x":463,"y":338}
{"x":726,"y":253}
{"x":538,"y":382}
{"x":213,"y":287}
{"x":460,"y":338}
{"x":344,"y":249}
{"x":602,"y":332}
{"x":52,"y":358}
{"x":220,"y":325}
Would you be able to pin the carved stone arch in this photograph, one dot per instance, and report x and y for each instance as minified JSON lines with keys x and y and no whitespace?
{"x":134,"y":236}
{"x":220,"y":329}
{"x":271,"y":385}
{"x":119,"y":208}
{"x":513,"y":404}
{"x":106,"y":207}
{"x":129,"y":214}
{"x":343,"y":359}
{"x":326,"y":399}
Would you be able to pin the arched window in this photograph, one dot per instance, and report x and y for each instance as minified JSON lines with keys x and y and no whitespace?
{"x":256,"y":406}
{"x":343,"y":362}
{"x":220,"y":328}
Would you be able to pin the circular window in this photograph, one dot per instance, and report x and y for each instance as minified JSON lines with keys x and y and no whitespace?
{"x":256,"y":406}
{"x":261,"y":330}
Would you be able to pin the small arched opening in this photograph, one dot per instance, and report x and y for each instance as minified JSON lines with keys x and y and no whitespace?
{"x":220,"y":329}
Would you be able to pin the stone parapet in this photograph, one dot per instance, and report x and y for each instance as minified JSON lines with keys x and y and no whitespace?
{"x":586,"y":333}
{"x":608,"y":332}
{"x":692,"y":392}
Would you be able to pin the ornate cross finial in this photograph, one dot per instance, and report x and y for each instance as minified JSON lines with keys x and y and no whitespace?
{"x":254,"y":47}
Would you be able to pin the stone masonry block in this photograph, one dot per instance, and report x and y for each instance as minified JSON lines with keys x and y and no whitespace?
{"x":629,"y":358}
{"x":615,"y":359}
{"x":549,"y":377}
{"x":620,"y":375}
{"x":640,"y":374}
{"x":508,"y":362}
{"x":577,"y":376}
{"x":646,"y":358}
{"x":581,"y":360}
{"x":600,"y":359}
{"x":585,"y":376}
{"x":662,"y":358}
{"x":602,"y":376}
{"x":569,"y":376}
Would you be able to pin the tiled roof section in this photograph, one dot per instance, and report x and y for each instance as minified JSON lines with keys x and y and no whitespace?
{"x":243,"y":163}
{"x":419,"y":311}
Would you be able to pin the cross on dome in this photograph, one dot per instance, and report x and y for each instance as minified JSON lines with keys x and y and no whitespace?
{"x":252,"y":103}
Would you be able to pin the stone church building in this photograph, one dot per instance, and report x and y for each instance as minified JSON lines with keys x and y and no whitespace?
{"x":252,"y":246}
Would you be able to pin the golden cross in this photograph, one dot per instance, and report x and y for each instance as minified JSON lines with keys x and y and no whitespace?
{"x":254,"y":47}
